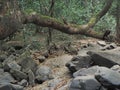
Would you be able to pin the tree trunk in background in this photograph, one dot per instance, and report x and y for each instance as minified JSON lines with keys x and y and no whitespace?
{"x":4,"y":5}
{"x":118,"y":21}
{"x":51,"y":13}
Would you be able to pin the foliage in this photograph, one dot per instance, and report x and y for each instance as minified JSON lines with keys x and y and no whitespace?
{"x":73,"y":11}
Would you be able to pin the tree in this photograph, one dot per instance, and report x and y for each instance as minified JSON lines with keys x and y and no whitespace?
{"x":46,"y":21}
{"x":118,"y":21}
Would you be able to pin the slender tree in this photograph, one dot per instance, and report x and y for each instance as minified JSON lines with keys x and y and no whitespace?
{"x":118,"y":21}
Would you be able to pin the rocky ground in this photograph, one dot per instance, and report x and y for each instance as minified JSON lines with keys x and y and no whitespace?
{"x":81,"y":65}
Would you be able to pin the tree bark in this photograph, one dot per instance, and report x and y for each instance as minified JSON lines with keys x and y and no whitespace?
{"x":46,"y":21}
{"x":118,"y":21}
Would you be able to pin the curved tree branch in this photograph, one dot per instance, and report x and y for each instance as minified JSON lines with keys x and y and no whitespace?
{"x":46,"y":21}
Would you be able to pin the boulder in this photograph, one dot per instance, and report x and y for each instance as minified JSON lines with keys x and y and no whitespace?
{"x":41,"y":59}
{"x":5,"y":87}
{"x":101,"y":43}
{"x":17,"y":87}
{"x":86,"y":71}
{"x":116,"y":68}
{"x":31,"y":78}
{"x":79,"y":62}
{"x":10,"y":59}
{"x":105,"y":58}
{"x":90,"y":47}
{"x":109,"y":46}
{"x":27,"y":63}
{"x":108,"y":78}
{"x":8,"y":86}
{"x":42,"y":74}
{"x":23,"y":83}
{"x":5,"y":77}
{"x":3,"y":57}
{"x":85,"y":83}
{"x":11,"y":65}
{"x":18,"y":75}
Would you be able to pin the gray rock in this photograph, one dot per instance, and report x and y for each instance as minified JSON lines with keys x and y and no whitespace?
{"x":108,"y":77}
{"x":86,"y":71}
{"x":41,"y":59}
{"x":5,"y":77}
{"x":109,"y":58}
{"x":28,"y":63}
{"x":52,"y":84}
{"x":116,"y":68}
{"x":93,"y":47}
{"x":109,"y":46}
{"x":79,"y":62}
{"x":11,"y":65}
{"x":31,"y":78}
{"x":8,"y":86}
{"x":101,"y":43}
{"x":23,"y":83}
{"x":1,"y":70}
{"x":5,"y":87}
{"x":43,"y":74}
{"x":3,"y":57}
{"x":11,"y":58}
{"x":17,"y":87}
{"x":19,"y":75}
{"x":85,"y":83}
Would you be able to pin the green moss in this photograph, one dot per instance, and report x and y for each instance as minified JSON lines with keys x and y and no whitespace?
{"x":92,"y":21}
{"x":50,"y":18}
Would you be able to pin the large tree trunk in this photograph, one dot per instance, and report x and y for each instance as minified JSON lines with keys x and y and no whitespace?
{"x":46,"y":21}
{"x":118,"y":21}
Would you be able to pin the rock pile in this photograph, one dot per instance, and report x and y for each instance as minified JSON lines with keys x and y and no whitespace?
{"x":96,"y":68}
{"x":16,"y":73}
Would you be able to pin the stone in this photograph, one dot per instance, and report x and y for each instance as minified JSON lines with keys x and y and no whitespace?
{"x":45,"y":54}
{"x":108,"y":77}
{"x":17,"y":45}
{"x":5,"y":87}
{"x":79,"y":62}
{"x":85,"y":83}
{"x":17,"y":87}
{"x":72,"y":50}
{"x":10,"y":59}
{"x":1,"y":70}
{"x":42,"y":74}
{"x":41,"y":59}
{"x":3,"y":57}
{"x":27,"y":64}
{"x":18,"y":75}
{"x":109,"y":46}
{"x":23,"y":83}
{"x":86,"y":71}
{"x":11,"y":65}
{"x":116,"y":68}
{"x":53,"y":83}
{"x":31,"y":78}
{"x":110,"y":57}
{"x":8,"y":86}
{"x":101,"y":43}
{"x":5,"y":77}
{"x":83,"y":51}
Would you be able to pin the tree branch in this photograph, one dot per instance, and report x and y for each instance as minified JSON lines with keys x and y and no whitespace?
{"x":46,"y":21}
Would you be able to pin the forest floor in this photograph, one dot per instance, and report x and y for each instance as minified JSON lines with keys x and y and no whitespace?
{"x":60,"y":72}
{"x":56,"y":61}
